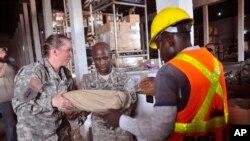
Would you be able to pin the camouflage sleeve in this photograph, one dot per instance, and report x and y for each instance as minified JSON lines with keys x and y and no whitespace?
{"x":44,"y":96}
{"x":128,"y":85}
{"x":16,"y":101}
{"x":44,"y":99}
{"x":130,"y":89}
{"x":27,"y":96}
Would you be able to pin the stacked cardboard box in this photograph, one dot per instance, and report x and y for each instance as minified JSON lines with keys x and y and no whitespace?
{"x":128,"y":34}
{"x":132,"y":18}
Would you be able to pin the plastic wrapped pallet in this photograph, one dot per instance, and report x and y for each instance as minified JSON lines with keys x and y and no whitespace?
{"x":98,"y":100}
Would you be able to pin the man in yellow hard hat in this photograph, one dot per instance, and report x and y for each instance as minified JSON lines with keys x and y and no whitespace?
{"x":189,"y":89}
{"x":211,"y":48}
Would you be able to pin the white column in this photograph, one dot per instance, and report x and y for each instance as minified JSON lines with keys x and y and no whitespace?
{"x":78,"y":38}
{"x":24,"y":39}
{"x":47,"y":16}
{"x":21,"y":45}
{"x":187,"y":5}
{"x":12,"y":46}
{"x":240,"y":30}
{"x":36,"y":38}
{"x":17,"y":39}
{"x":205,"y":24}
{"x":18,"y":59}
{"x":27,"y":32}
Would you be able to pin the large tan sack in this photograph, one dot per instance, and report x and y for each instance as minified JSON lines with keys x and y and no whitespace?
{"x":98,"y":100}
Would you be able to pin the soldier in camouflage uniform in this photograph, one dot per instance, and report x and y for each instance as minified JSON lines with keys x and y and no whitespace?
{"x":241,"y":75}
{"x":107,"y":78}
{"x":37,"y":94}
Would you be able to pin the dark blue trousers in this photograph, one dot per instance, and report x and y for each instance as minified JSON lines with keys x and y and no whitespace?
{"x":9,"y":120}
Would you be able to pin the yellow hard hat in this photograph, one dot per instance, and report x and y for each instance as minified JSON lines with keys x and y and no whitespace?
{"x":165,"y":18}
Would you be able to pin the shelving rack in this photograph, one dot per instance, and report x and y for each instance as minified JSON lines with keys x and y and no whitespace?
{"x":125,"y":4}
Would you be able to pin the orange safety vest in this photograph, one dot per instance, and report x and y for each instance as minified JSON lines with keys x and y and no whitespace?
{"x":207,"y":94}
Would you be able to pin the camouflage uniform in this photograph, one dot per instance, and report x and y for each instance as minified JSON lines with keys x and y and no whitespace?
{"x":240,"y":76}
{"x":116,"y":81}
{"x":37,"y":119}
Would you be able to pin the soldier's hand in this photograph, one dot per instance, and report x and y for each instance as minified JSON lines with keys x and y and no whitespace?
{"x":112,"y":118}
{"x":62,"y":103}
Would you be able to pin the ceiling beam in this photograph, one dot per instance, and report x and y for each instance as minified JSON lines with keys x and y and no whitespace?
{"x":199,"y":3}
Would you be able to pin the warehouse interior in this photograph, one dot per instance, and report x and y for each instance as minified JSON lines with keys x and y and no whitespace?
{"x":226,"y":23}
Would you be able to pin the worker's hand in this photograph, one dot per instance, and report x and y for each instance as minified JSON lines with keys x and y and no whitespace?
{"x":62,"y":103}
{"x":112,"y":118}
{"x":146,"y":85}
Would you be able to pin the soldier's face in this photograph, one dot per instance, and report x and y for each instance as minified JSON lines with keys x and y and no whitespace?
{"x":102,"y":61}
{"x":64,"y":52}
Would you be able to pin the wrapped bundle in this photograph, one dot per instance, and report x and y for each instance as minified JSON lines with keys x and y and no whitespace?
{"x":98,"y":100}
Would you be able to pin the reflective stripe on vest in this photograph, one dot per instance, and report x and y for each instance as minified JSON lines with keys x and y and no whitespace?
{"x":198,"y":124}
